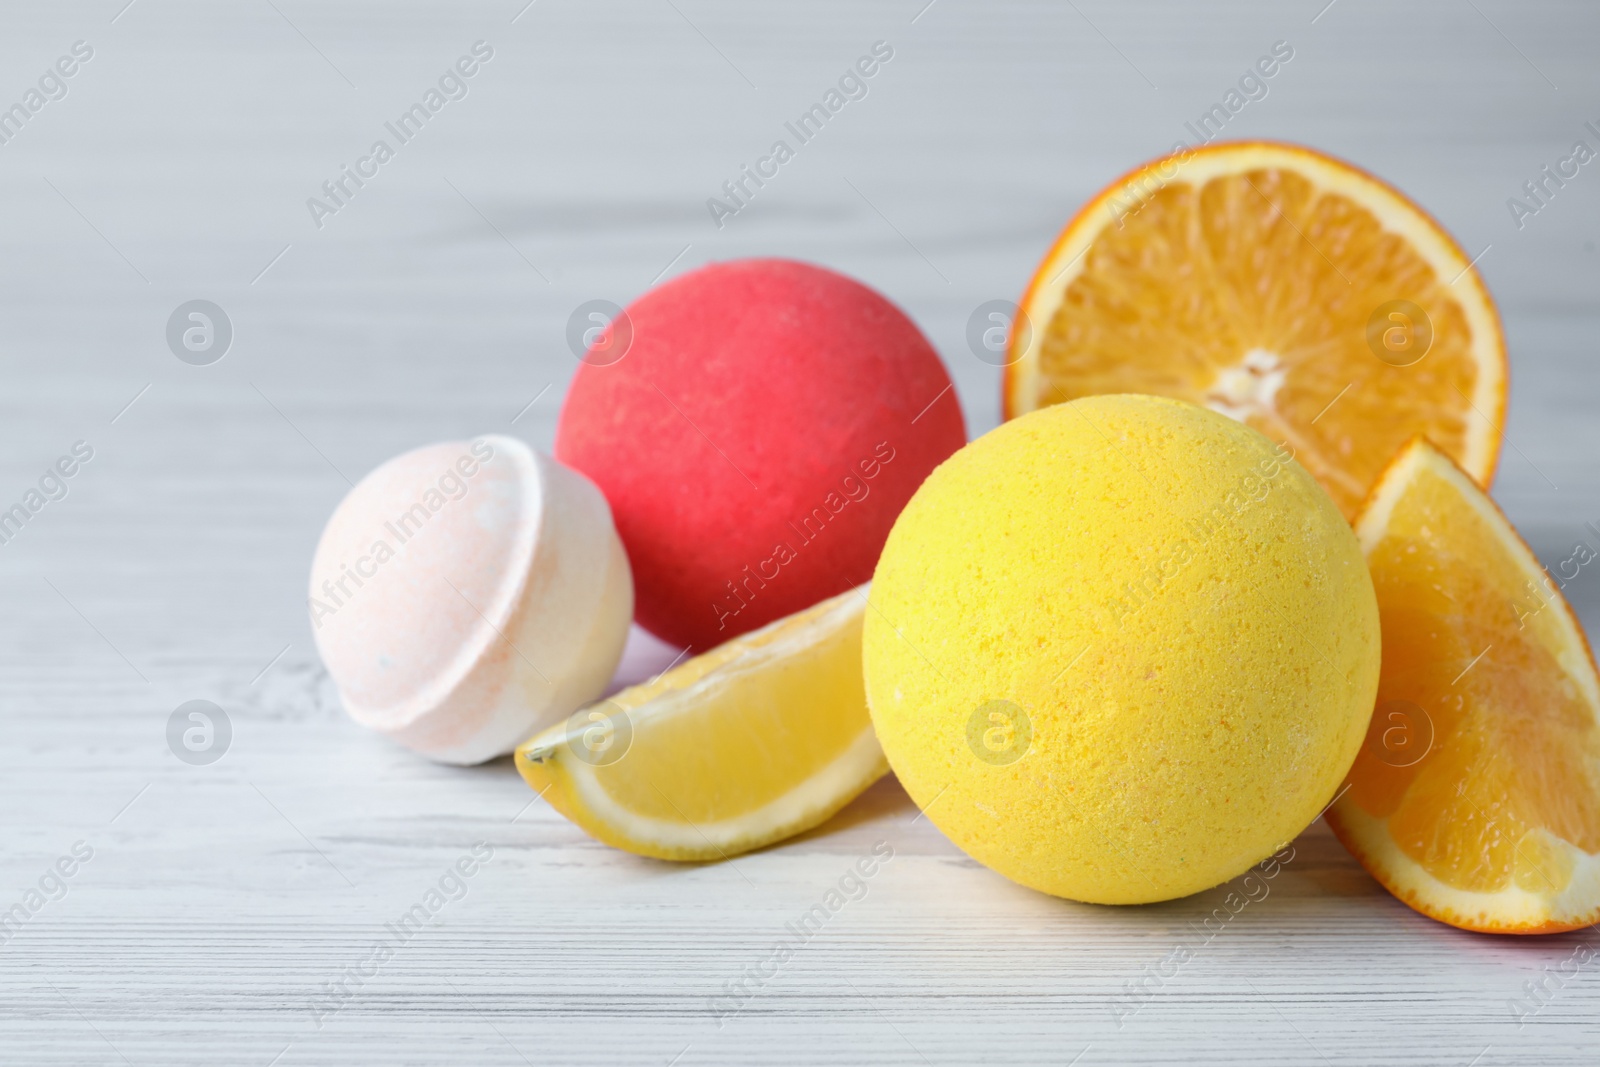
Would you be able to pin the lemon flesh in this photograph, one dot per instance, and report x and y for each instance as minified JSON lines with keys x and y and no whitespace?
{"x":1121,"y":649}
{"x":756,"y":740}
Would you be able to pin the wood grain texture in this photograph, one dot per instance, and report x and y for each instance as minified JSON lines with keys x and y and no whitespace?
{"x":221,"y":900}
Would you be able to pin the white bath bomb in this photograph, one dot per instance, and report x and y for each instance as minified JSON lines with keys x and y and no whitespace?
{"x":467,"y":594}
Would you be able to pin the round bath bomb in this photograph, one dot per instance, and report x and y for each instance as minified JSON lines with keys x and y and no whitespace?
{"x":756,"y":439}
{"x":465,"y":595}
{"x":1121,"y":649}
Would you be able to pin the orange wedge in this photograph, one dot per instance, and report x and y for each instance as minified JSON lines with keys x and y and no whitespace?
{"x":1277,"y":285}
{"x":1475,"y":798}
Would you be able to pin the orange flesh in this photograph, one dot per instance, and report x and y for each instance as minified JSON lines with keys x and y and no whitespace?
{"x":1515,"y":743}
{"x":1195,"y":281}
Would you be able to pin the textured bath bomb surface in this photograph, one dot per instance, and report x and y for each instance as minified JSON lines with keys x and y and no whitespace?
{"x":1121,"y":649}
{"x":768,"y":421}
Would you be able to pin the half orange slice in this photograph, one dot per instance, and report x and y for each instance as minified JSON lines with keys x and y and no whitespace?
{"x":1282,"y":287}
{"x":1475,"y":798}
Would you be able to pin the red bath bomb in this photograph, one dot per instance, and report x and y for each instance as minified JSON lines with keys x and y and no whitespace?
{"x":756,"y":440}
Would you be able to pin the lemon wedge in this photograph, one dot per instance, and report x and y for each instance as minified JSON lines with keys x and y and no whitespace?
{"x":754,"y":741}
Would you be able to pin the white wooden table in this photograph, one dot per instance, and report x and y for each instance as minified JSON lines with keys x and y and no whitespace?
{"x":221,"y":901}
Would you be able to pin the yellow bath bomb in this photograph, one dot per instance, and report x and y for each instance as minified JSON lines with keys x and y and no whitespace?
{"x":1121,"y":649}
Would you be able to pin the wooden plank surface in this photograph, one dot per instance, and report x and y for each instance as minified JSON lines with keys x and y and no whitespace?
{"x":221,"y":902}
